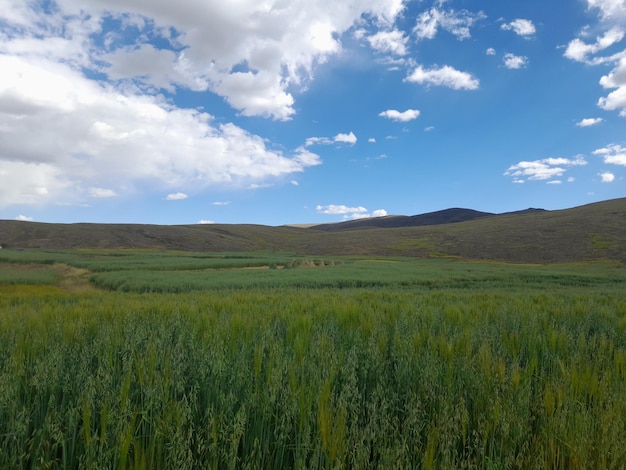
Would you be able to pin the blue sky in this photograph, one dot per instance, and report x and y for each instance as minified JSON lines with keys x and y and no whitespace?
{"x":306,"y":111}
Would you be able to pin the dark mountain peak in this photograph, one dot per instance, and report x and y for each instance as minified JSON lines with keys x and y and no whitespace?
{"x":445,"y":216}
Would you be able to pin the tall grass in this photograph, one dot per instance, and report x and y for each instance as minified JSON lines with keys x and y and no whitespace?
{"x":314,"y":378}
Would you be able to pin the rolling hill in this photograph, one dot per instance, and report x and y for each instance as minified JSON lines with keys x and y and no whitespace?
{"x":446,"y":216}
{"x":591,"y":232}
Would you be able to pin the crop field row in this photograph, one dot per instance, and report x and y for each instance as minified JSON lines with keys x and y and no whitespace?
{"x":344,"y":363}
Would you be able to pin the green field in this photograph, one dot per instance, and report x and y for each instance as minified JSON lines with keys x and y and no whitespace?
{"x":146,"y":359}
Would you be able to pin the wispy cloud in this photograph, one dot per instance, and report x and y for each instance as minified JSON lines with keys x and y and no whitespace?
{"x":348,"y":138}
{"x":391,"y":42}
{"x":101,"y":193}
{"x":443,"y":76}
{"x":457,"y":23}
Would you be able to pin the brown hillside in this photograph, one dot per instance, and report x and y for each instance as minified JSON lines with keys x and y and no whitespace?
{"x":591,"y":232}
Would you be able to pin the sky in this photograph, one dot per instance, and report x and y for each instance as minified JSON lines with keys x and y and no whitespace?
{"x":307,"y":111}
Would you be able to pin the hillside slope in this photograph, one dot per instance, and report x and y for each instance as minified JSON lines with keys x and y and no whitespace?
{"x":591,"y":232}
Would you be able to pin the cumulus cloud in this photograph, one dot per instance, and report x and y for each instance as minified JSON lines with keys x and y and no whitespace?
{"x":349,"y":138}
{"x":544,"y":169}
{"x":580,"y":51}
{"x":379,"y":213}
{"x":250,"y":53}
{"x":612,"y":15}
{"x":617,"y":98}
{"x":612,"y":154}
{"x":24,"y":218}
{"x":349,"y":213}
{"x":90,"y":134}
{"x":403,"y":116}
{"x":457,"y":23}
{"x":521,"y":27}
{"x":588,"y":122}
{"x":512,"y":61}
{"x":490,"y":51}
{"x":205,"y":222}
{"x":176,"y":197}
{"x":371,"y":140}
{"x":607,"y":177}
{"x":609,"y":9}
{"x":444,"y":76}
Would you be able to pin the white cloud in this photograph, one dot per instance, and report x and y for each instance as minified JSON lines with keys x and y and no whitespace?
{"x":521,"y":27}
{"x":615,"y":79}
{"x":101,"y":193}
{"x":588,"y":122}
{"x":512,"y":61}
{"x":222,"y":203}
{"x":90,"y":134}
{"x":333,"y":209}
{"x":253,"y":54}
{"x":318,"y":141}
{"x":176,"y":197}
{"x":349,"y":138}
{"x":609,"y":9}
{"x":544,"y":169}
{"x":279,"y":44}
{"x":444,"y":76}
{"x":429,"y":129}
{"x":403,"y":116}
{"x":24,"y":218}
{"x":392,"y":42}
{"x":294,"y":183}
{"x":371,"y":140}
{"x":490,"y":51}
{"x":612,"y":154}
{"x":205,"y":222}
{"x":580,"y":51}
{"x":607,"y":177}
{"x":456,"y":23}
{"x":346,"y":138}
{"x":555,"y":182}
{"x":350,"y":213}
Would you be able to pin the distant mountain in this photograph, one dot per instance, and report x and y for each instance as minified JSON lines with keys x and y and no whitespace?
{"x":593,"y":232}
{"x":446,"y":216}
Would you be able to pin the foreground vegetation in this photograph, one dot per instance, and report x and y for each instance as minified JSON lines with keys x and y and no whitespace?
{"x":387,"y":363}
